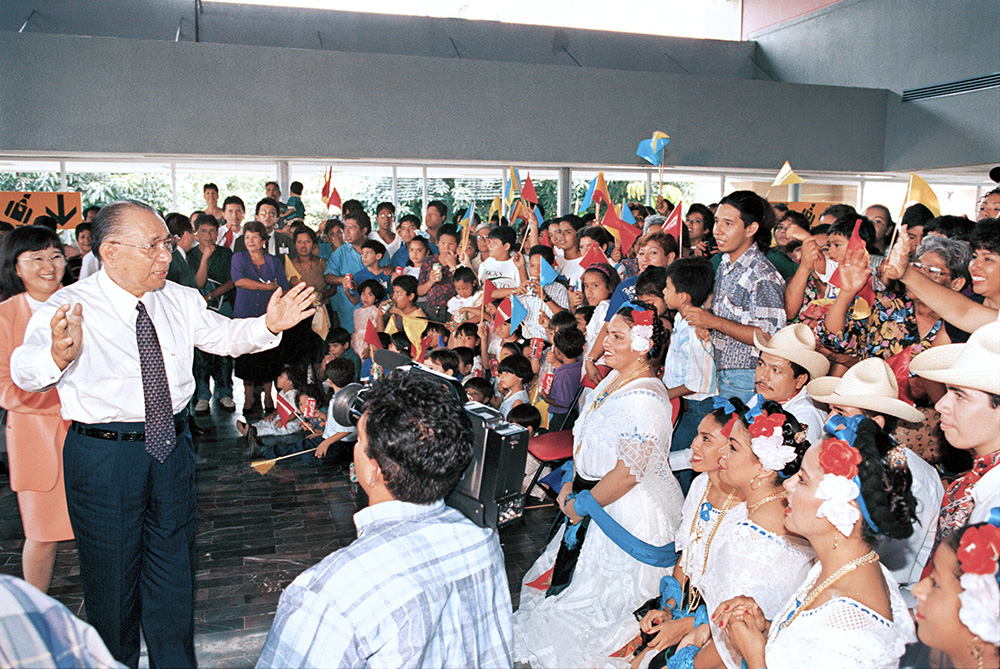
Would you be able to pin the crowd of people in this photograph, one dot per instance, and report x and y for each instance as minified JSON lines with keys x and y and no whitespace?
{"x":785,"y":431}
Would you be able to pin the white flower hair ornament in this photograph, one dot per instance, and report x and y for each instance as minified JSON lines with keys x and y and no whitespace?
{"x":768,"y":442}
{"x":642,"y":331}
{"x":978,"y":554}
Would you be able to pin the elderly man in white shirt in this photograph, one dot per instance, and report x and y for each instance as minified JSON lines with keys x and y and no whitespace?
{"x":119,"y":347}
{"x":787,"y":362}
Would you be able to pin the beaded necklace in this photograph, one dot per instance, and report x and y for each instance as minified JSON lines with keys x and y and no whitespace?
{"x":867,"y":558}
{"x":769,"y":498}
{"x":694,"y":597}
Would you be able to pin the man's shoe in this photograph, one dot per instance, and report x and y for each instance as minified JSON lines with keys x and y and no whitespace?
{"x":254,"y":444}
{"x":202,"y":407}
{"x":227,"y":404}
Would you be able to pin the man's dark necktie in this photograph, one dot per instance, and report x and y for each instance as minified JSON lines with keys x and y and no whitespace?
{"x":161,"y":435}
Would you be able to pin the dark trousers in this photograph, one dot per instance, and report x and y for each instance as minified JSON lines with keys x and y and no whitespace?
{"x":134,"y":520}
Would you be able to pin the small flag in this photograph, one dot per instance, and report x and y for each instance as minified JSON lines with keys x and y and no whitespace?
{"x":545,"y":241}
{"x":488,"y":288}
{"x":510,"y":309}
{"x":327,"y":184}
{"x":626,"y":234}
{"x":494,"y":208}
{"x":786,"y":177}
{"x":528,"y":190}
{"x":651,"y":150}
{"x":371,"y":335}
{"x":538,"y":215}
{"x":426,"y":343}
{"x":672,"y":226}
{"x":626,"y":213}
{"x":918,"y":190}
{"x":470,"y":216}
{"x":285,"y":410}
{"x":516,"y":212}
{"x":548,"y":274}
{"x":854,"y":244}
{"x":596,"y":192}
{"x":594,"y":256}
{"x":512,"y":191}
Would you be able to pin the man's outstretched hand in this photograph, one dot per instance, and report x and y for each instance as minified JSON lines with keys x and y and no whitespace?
{"x":285,"y":310}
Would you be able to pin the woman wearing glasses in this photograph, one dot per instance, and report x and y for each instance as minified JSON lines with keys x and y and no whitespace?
{"x":31,"y":270}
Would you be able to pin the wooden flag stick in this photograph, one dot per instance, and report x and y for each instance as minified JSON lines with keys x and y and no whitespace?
{"x":264,"y":466}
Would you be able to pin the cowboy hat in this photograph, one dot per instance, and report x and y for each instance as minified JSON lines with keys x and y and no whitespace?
{"x":795,"y":343}
{"x":871,"y":385}
{"x":974,"y":364}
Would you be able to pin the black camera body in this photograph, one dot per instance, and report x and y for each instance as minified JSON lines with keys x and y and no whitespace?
{"x":489,"y":492}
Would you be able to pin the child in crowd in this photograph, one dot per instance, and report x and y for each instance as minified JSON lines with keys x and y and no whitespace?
{"x":445,"y":361}
{"x":583,"y":317}
{"x":404,"y":297}
{"x":464,"y":306}
{"x":312,"y":408}
{"x":295,"y":210}
{"x":338,"y":343}
{"x":288,"y":382}
{"x":419,"y":249}
{"x":535,"y":298}
{"x":466,"y":334}
{"x":368,"y":362}
{"x":530,"y":419}
{"x":466,"y":361}
{"x":371,"y":293}
{"x":565,"y":382}
{"x":599,"y":283}
{"x":500,"y":267}
{"x":559,"y":320}
{"x":689,"y":368}
{"x":514,"y":374}
{"x":478,"y":389}
{"x":372,"y":252}
{"x":398,"y":343}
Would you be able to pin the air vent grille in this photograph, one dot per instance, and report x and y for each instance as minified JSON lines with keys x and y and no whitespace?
{"x":953,"y":88}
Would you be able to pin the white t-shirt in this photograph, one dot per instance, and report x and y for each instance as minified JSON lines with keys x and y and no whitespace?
{"x":333,"y":427}
{"x":390,"y":249}
{"x":571,"y":269}
{"x":472,"y":301}
{"x":503,"y":273}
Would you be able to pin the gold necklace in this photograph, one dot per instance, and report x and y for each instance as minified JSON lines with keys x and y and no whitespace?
{"x":769,"y":498}
{"x":694,"y":597}
{"x":607,"y":393}
{"x":867,"y":558}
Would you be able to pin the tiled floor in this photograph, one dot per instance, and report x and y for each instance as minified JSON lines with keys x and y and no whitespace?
{"x":255,"y":534}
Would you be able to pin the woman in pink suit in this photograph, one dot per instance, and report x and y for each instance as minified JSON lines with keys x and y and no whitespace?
{"x":31,"y":269}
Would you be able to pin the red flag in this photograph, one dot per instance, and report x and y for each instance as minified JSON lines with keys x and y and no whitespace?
{"x":528,"y":191}
{"x":334,"y":199}
{"x":488,"y":288}
{"x":601,"y":192}
{"x":324,"y":194}
{"x":503,"y":313}
{"x":545,"y":241}
{"x":285,"y":410}
{"x":593,"y":256}
{"x":672,"y":226}
{"x":627,"y":233}
{"x":371,"y":335}
{"x":855,"y":244}
{"x":426,"y":343}
{"x":516,"y":212}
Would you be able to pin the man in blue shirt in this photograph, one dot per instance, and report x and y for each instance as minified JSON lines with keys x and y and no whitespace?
{"x":347,"y":260}
{"x":422,"y":586}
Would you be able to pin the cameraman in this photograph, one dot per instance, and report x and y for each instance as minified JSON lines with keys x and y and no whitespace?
{"x":422,"y":585}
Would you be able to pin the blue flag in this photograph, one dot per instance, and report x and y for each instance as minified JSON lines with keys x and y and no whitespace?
{"x":627,"y":215}
{"x":548,"y":275}
{"x":651,"y":150}
{"x":588,"y":197}
{"x":517,"y":312}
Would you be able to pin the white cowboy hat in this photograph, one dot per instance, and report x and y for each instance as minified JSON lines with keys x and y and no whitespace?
{"x":871,"y":385}
{"x":974,"y":364}
{"x":797,"y":344}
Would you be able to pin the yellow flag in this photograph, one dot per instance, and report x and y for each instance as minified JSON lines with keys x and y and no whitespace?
{"x":786,"y":177}
{"x":290,"y":271}
{"x":917,"y":190}
{"x":494,"y":208}
{"x":412,"y":326}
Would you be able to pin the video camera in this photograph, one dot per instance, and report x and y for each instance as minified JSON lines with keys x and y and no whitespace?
{"x":489,"y":492}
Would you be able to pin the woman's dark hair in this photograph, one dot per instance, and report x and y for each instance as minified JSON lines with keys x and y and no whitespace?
{"x":307,"y":231}
{"x":402,"y":343}
{"x":792,"y":434}
{"x":378,"y":290}
{"x":916,"y":216}
{"x":886,"y":489}
{"x":25,"y":239}
{"x":419,"y":435}
{"x":599,"y":235}
{"x":706,"y":215}
{"x":795,"y":218}
{"x":986,"y":235}
{"x":205,"y":219}
{"x":420,"y":240}
{"x":255,"y":226}
{"x":544,"y":251}
{"x":953,"y":227}
{"x":753,"y":209}
{"x":517,"y":365}
{"x":607,"y":273}
{"x":406,"y":283}
{"x":659,"y":332}
{"x":666,"y":242}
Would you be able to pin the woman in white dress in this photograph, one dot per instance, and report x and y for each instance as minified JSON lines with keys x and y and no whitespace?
{"x":579,"y":614}
{"x":848,"y":612}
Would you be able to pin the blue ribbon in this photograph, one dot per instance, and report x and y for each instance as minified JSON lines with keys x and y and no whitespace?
{"x":657,"y":556}
{"x":755,"y":407}
{"x":846,"y":428}
{"x":635,"y":307}
{"x":670,"y":588}
{"x":683,"y":658}
{"x":994,"y":517}
{"x":721,"y":402}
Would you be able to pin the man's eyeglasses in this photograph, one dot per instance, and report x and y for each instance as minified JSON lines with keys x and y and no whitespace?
{"x":152,"y":250}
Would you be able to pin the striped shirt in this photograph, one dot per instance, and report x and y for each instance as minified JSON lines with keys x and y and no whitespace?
{"x":422,"y":586}
{"x":689,"y":362}
{"x":748,"y":291}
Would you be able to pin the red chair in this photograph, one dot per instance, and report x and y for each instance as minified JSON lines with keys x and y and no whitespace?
{"x":552,"y":449}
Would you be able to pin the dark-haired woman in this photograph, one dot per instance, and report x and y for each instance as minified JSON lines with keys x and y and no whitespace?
{"x":31,"y":270}
{"x":577,"y":600}
{"x":848,"y":612}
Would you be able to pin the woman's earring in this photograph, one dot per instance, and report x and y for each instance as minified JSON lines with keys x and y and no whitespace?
{"x":757,"y":481}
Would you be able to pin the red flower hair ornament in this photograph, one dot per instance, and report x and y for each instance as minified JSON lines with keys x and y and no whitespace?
{"x":839,"y":458}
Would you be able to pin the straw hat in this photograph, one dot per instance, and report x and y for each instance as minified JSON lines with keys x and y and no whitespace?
{"x":797,"y":344}
{"x":974,"y":364}
{"x":871,"y":385}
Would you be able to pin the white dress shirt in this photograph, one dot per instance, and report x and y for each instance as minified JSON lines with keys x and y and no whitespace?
{"x":89,"y":265}
{"x":104,"y":383}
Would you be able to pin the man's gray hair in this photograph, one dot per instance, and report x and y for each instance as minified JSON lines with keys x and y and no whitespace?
{"x":110,"y":221}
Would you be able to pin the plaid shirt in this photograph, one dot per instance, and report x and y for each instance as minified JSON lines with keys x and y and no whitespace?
{"x":422,"y":586}
{"x":689,"y":362}
{"x":749,"y":292}
{"x":443,"y":290}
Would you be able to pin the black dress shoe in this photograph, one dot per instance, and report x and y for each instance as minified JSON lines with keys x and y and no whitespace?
{"x":254,"y":444}
{"x":195,"y":430}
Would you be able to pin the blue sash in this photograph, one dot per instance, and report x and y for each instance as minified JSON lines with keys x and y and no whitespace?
{"x":657,"y":556}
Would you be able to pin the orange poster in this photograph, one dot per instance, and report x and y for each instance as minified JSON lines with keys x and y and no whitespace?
{"x":22,"y":208}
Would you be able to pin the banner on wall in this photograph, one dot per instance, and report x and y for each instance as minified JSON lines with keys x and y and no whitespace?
{"x":22,"y":208}
{"x":811,"y":210}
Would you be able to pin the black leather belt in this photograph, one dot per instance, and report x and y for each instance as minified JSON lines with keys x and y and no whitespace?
{"x":180,"y":422}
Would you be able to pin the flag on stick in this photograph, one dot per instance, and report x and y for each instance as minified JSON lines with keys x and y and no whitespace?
{"x":371,"y":335}
{"x":494,"y":208}
{"x":786,"y":177}
{"x":865,"y":296}
{"x":651,"y":150}
{"x":626,"y":213}
{"x":919,"y":191}
{"x":528,"y":190}
{"x":626,"y":234}
{"x":593,"y":256}
{"x":329,"y":194}
{"x":597,"y":191}
{"x":510,"y":309}
{"x":513,"y":189}
{"x":548,"y":274}
{"x":285,"y":410}
{"x":674,"y":225}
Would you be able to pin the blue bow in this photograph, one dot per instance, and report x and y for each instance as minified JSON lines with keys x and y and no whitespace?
{"x":755,"y":407}
{"x":846,"y":428}
{"x":721,"y":402}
